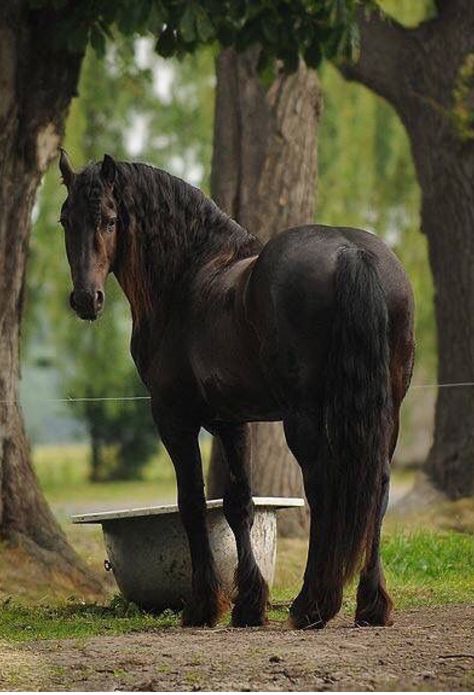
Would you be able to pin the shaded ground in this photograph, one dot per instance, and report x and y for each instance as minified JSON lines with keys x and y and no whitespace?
{"x":427,"y":649}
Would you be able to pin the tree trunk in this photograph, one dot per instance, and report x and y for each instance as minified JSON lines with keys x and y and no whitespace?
{"x":96,"y":458}
{"x":448,"y":222}
{"x":36,"y":88}
{"x":427,"y":74}
{"x":264,"y":175}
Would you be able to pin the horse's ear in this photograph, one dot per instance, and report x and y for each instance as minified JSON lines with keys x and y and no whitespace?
{"x":108,"y":170}
{"x":66,"y":168}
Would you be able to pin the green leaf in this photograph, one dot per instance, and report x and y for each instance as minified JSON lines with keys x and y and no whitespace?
{"x":187,"y":24}
{"x":125,"y":21}
{"x":205,"y":28}
{"x":270,"y":28}
{"x":97,"y":39}
{"x":158,"y":17}
{"x":266,"y":69}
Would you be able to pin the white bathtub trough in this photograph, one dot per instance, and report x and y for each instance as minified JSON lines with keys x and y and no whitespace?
{"x":148,"y":550}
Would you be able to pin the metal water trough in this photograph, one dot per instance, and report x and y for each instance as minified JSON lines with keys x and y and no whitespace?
{"x":149,"y":555}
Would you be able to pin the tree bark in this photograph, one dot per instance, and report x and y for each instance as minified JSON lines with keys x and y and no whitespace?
{"x":37,"y":85}
{"x":420,"y":71}
{"x":264,"y":175}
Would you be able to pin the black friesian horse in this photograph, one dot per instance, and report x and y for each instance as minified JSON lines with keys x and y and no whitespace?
{"x":314,"y":329}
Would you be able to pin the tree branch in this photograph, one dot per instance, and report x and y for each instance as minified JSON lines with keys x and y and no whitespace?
{"x":384,"y":49}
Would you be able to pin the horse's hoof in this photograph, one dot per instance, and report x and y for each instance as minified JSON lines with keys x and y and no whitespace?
{"x":375,"y":610}
{"x":198,"y":618}
{"x":242,"y":616}
{"x":375,"y":619}
{"x":200,"y":613}
{"x":311,"y":613}
{"x":306,"y":621}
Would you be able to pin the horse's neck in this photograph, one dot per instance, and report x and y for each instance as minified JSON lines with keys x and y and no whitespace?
{"x":158,"y":261}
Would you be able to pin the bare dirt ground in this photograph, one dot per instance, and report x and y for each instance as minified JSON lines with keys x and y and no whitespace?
{"x":426,"y":649}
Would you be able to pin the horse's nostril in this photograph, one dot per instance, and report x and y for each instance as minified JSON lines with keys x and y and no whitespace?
{"x":99,"y":298}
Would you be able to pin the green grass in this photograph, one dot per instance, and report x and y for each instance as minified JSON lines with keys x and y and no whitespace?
{"x":428,"y":568}
{"x":20,"y":623}
{"x":423,"y":568}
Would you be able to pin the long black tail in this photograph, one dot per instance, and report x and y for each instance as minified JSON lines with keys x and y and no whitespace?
{"x":356,"y":401}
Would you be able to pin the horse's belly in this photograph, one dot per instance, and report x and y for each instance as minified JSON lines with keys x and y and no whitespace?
{"x":237,"y":391}
{"x":240,"y":405}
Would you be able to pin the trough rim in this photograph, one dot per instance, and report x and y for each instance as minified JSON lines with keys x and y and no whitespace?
{"x":169,"y":509}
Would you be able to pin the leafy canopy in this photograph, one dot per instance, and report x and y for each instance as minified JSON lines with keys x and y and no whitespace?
{"x":285,"y":29}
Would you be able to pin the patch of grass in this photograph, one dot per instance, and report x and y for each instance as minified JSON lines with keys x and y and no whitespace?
{"x":425,"y":567}
{"x":422,"y":568}
{"x":20,"y":623}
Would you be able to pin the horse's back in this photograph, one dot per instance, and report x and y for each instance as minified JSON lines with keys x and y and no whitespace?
{"x":303,"y":259}
{"x":291,"y":296}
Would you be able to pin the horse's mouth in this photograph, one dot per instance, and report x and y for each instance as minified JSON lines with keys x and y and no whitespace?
{"x":87,"y":315}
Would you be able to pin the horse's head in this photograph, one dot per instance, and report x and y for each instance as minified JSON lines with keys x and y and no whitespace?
{"x":89,"y":217}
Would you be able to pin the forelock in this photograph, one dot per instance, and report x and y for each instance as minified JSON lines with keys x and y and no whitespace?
{"x":89,"y":190}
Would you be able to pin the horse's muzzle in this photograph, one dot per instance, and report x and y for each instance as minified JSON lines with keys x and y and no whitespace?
{"x":87,"y":303}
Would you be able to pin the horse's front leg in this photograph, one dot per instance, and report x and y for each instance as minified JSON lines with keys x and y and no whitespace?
{"x":208,"y":601}
{"x":252,"y":590}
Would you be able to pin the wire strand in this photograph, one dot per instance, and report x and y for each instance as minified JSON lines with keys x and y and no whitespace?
{"x":442,"y":386}
{"x":94,"y":399}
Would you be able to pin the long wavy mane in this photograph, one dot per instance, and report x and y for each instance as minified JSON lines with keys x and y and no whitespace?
{"x":168,"y":230}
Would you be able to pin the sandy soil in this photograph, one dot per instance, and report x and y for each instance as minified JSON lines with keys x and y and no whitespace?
{"x":427,"y":649}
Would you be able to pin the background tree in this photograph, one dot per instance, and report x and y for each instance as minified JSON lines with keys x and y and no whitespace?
{"x":426,"y":73}
{"x":38,"y":81}
{"x":263,"y":175}
{"x":367,"y":177}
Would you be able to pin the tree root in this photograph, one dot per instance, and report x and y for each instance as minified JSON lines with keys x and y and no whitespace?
{"x":28,"y":568}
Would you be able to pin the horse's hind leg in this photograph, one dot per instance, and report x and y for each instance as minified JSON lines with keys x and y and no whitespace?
{"x":208,"y":601}
{"x":252,"y":590}
{"x":374,"y":605}
{"x":320,"y":597}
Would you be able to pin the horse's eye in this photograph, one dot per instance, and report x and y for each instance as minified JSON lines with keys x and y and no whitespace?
{"x":110,"y":224}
